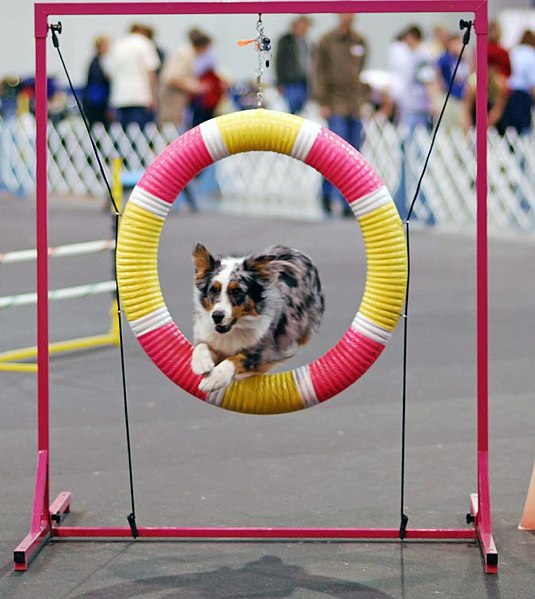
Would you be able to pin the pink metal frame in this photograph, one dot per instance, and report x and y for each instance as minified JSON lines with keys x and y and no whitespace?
{"x":46,"y":519}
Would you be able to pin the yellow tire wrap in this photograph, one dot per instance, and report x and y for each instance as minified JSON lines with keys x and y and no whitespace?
{"x":265,"y":394}
{"x":257,"y":130}
{"x":386,"y":280}
{"x":137,"y":262}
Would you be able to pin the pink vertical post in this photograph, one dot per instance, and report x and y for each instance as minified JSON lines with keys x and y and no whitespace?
{"x":41,"y":525}
{"x":483,"y":518}
{"x":41,"y":117}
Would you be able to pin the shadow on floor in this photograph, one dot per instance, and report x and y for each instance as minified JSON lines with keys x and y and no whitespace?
{"x":268,"y":577}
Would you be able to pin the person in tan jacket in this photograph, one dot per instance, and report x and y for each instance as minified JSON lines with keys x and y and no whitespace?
{"x":178,"y":80}
{"x":340,"y":58}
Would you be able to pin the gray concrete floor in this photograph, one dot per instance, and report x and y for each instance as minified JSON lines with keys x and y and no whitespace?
{"x":333,"y":465}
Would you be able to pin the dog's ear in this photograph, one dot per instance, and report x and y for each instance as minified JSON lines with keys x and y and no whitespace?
{"x":260,"y":264}
{"x":203,"y":261}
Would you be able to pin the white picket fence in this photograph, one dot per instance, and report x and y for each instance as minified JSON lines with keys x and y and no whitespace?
{"x":267,"y":184}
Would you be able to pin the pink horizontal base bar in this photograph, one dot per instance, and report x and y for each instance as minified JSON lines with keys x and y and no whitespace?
{"x":454,"y":534}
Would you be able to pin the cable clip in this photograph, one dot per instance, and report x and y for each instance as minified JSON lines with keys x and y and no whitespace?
{"x":466,"y":25}
{"x":133,"y":526}
{"x":403,"y":526}
{"x":55,"y":29}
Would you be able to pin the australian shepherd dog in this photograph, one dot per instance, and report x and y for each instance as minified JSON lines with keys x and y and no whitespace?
{"x":251,"y":312}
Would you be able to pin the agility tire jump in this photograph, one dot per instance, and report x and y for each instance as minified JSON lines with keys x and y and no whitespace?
{"x":139,"y":236}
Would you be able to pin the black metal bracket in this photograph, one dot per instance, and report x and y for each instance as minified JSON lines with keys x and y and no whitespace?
{"x":466,"y":26}
{"x":56,"y":29}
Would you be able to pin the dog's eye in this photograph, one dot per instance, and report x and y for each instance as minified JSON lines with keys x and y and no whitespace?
{"x":237,"y":293}
{"x":213,"y":290}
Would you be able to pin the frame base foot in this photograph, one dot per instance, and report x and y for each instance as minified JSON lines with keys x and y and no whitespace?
{"x":60,"y":507}
{"x":34,"y":541}
{"x":486,"y":541}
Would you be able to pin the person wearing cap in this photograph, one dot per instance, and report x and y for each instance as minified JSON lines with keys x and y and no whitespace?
{"x":292,"y":64}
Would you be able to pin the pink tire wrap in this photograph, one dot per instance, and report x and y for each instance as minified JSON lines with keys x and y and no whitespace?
{"x":342,"y":165}
{"x":171,"y":352}
{"x":343,"y":364}
{"x":176,"y":166}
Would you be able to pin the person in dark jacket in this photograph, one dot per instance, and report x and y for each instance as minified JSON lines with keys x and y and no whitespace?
{"x":97,"y":90}
{"x":522,"y":85}
{"x":292,"y":64}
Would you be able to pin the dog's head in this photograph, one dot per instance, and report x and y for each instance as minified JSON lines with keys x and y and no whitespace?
{"x":231,"y":290}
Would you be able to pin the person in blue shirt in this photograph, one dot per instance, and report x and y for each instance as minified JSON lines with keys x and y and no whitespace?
{"x":446,"y":66}
{"x":97,"y":90}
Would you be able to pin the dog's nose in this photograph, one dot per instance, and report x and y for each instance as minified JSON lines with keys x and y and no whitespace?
{"x":218,"y":316}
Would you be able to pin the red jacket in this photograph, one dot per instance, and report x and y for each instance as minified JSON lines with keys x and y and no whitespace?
{"x":499,"y":58}
{"x":213,"y":90}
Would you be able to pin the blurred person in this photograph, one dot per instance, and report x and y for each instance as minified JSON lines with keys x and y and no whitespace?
{"x":340,"y":58}
{"x":379,"y":98}
{"x":178,"y":81}
{"x":133,"y":63}
{"x":96,"y":96}
{"x":497,"y":97}
{"x":417,"y":81}
{"x":414,"y":72}
{"x":398,"y":59}
{"x":453,"y":116}
{"x":438,"y":43}
{"x":57,"y":101}
{"x":292,"y":64}
{"x":211,"y":86}
{"x":10,"y":91}
{"x":497,"y":54}
{"x":149,"y":32}
{"x":189,"y":89}
{"x":522,"y":84}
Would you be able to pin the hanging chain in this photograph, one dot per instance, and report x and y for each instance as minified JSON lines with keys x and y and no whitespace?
{"x":263,"y":48}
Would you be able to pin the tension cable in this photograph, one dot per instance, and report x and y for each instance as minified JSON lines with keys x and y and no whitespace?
{"x":56,"y":29}
{"x":467,"y":27}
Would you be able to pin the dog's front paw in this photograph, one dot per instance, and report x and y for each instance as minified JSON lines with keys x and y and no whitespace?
{"x":220,"y":377}
{"x":201,"y":359}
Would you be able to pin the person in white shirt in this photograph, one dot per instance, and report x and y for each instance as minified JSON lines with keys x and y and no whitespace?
{"x":416,"y":75}
{"x":132,"y":65}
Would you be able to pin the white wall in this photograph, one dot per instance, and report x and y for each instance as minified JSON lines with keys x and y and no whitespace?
{"x":16,"y":19}
{"x":513,"y":24}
